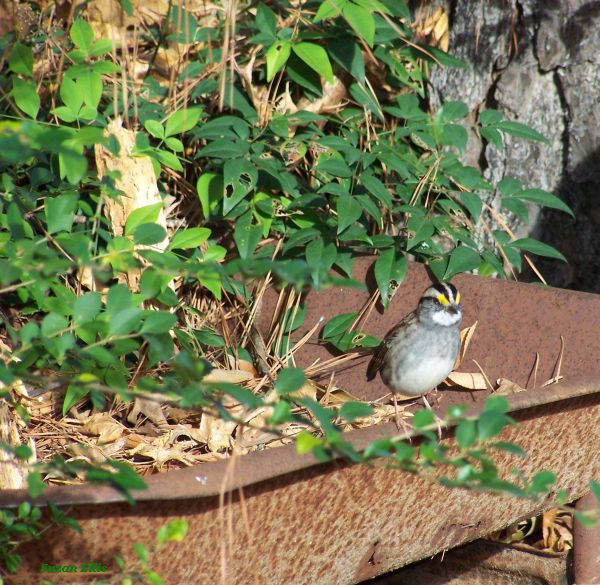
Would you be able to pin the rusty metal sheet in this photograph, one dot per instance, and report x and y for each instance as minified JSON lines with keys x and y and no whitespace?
{"x":330,"y":524}
{"x":516,"y":322}
{"x":484,"y":563}
{"x":302,"y":522}
{"x":586,"y":546}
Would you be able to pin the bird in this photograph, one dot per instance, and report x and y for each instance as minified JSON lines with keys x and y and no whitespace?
{"x":419,"y":352}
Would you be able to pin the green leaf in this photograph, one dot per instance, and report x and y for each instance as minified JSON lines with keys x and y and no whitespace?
{"x":315,"y":57}
{"x":182,"y":121}
{"x":155,"y":128}
{"x":488,"y":117}
{"x":462,"y":259}
{"x":99,"y":48}
{"x":289,"y":380}
{"x":266,"y":21}
{"x":225,"y":149}
{"x":348,"y":210}
{"x":21,"y":59}
{"x":338,"y":325}
{"x":423,"y":419}
{"x":35,"y":485}
{"x":305,"y":442}
{"x":282,"y":412}
{"x":158,"y":322}
{"x":323,"y":415}
{"x":346,"y":52}
{"x":536,"y":247}
{"x":329,"y":9}
{"x":189,"y":238}
{"x":174,"y":144}
{"x":71,"y":95}
{"x":246,"y":235}
{"x":53,"y":323}
{"x":172,"y":531}
{"x":146,"y":214}
{"x":276,"y":57}
{"x":90,"y":84}
{"x":243,"y":395}
{"x":210,"y":192}
{"x":104,"y":67}
{"x":451,"y":111}
{"x":466,"y":434}
{"x":119,"y":297}
{"x":473,"y":203}
{"x":404,"y":451}
{"x":520,"y":131}
{"x":73,"y":395}
{"x":494,"y":137}
{"x":334,"y":166}
{"x":72,"y":163}
{"x":149,"y":234}
{"x":509,"y":448}
{"x":125,"y":321}
{"x":361,"y":20}
{"x":496,"y":403}
{"x":352,"y":410}
{"x":86,"y":307}
{"x":379,"y":448}
{"x":59,"y":211}
{"x":541,"y":482}
{"x":26,"y":96}
{"x":23,"y":452}
{"x":545,"y":199}
{"x":388,"y":269}
{"x":82,"y":35}
{"x":491,"y":423}
{"x":168,"y":159}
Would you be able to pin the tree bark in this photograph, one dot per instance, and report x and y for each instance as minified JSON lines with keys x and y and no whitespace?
{"x":538,"y":62}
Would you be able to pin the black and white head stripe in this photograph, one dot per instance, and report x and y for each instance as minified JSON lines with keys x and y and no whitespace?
{"x":444,"y":293}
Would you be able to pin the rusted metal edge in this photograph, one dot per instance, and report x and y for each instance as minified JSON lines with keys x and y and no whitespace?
{"x":212,"y":479}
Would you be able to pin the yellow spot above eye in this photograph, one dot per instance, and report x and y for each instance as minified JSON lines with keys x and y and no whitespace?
{"x":457,"y":298}
{"x":443,"y":300}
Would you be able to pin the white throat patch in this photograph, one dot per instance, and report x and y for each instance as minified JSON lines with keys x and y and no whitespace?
{"x":445,"y":318}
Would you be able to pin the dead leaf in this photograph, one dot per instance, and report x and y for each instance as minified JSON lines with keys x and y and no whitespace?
{"x":161,"y":454}
{"x":151,"y":409}
{"x":468,"y":380}
{"x":505,"y":387}
{"x":103,"y":426}
{"x":308,"y":390}
{"x":557,"y":530}
{"x":218,"y":432}
{"x":382,"y":412}
{"x":231,"y":376}
{"x":465,"y":339}
{"x":431,"y":25}
{"x":339,"y":396}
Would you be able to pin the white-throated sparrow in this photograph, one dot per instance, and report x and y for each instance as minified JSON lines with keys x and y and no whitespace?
{"x":420,"y":351}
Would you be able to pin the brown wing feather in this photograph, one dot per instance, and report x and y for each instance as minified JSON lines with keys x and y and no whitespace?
{"x":381,"y":350}
{"x":377,"y":360}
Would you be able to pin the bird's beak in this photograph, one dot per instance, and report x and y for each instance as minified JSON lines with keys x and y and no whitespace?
{"x":452,"y":309}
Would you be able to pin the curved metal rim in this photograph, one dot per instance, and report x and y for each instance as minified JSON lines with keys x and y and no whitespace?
{"x":212,"y":479}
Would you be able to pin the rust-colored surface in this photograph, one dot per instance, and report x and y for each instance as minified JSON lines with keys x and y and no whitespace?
{"x":484,"y":563}
{"x":329,"y":524}
{"x":515,"y":321}
{"x":586,"y":546}
{"x":301,"y":522}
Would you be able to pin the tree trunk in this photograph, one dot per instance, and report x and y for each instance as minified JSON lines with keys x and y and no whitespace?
{"x":538,"y":62}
